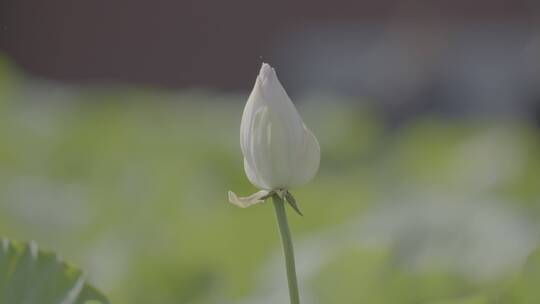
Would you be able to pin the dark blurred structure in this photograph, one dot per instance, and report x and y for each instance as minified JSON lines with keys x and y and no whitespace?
{"x":453,"y":57}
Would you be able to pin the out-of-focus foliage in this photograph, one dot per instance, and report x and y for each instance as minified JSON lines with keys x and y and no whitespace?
{"x":32,"y":276}
{"x":132,"y":184}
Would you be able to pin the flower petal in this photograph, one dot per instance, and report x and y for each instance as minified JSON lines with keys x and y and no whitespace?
{"x":307,"y":164}
{"x":244,"y":202}
{"x":273,"y":137}
{"x":253,"y":177}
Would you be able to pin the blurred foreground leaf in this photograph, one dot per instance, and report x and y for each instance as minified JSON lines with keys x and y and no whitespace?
{"x":28,"y":276}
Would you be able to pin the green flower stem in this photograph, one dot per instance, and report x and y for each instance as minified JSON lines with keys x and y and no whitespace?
{"x":286,"y":240}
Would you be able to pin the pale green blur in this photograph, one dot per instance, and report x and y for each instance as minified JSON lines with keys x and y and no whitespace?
{"x":132,"y":184}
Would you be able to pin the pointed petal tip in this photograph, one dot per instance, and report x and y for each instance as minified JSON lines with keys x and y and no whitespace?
{"x":266,"y":66}
{"x":266,"y":71}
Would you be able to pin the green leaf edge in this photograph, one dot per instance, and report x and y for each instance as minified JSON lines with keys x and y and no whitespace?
{"x":88,"y":294}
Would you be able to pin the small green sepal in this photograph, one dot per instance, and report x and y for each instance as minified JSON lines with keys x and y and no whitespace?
{"x":290,"y":199}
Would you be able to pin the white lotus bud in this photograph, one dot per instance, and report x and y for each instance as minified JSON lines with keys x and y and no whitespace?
{"x":279,"y":151}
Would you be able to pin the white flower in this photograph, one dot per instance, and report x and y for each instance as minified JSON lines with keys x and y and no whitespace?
{"x":279,"y":151}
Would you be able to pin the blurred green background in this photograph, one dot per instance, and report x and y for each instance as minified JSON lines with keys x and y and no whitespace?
{"x":132,"y":184}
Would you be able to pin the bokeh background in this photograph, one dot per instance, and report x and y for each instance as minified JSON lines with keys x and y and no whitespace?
{"x":119,"y":126}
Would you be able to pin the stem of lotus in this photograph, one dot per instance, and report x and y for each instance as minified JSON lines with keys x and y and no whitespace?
{"x":286,"y":240}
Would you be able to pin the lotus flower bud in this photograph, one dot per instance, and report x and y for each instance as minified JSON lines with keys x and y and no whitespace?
{"x":279,"y":151}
